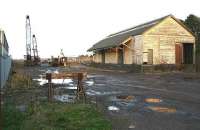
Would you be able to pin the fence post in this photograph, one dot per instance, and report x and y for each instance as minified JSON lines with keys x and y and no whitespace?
{"x":50,"y":91}
{"x":80,"y":90}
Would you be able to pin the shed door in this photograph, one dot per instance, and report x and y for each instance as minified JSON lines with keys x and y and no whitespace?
{"x":120,"y":56}
{"x":150,"y":56}
{"x":188,"y":53}
{"x":103,"y":57}
{"x":178,"y":53}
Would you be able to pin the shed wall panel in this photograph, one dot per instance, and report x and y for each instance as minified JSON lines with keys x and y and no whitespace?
{"x":138,"y":49}
{"x":97,"y":58}
{"x":162,"y":39}
{"x":128,"y":52}
{"x":110,"y":57}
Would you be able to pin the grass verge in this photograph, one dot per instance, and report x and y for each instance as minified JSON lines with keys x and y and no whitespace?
{"x":55,"y":116}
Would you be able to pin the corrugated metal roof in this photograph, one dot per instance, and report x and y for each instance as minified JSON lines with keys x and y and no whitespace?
{"x":115,"y":39}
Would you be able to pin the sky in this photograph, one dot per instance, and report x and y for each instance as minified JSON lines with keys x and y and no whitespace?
{"x":75,"y":25}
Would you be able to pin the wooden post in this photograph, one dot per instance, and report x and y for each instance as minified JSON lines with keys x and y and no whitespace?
{"x":50,"y":89}
{"x":80,"y":90}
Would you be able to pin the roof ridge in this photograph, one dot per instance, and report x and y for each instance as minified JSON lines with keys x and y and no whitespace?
{"x":116,"y":38}
{"x":146,"y":23}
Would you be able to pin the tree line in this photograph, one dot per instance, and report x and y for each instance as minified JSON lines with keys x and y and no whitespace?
{"x":193,"y":23}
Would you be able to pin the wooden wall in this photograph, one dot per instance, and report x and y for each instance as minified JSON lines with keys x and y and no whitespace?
{"x":97,"y":57}
{"x":111,"y":56}
{"x":138,"y":49}
{"x":162,"y":39}
{"x":128,"y":52}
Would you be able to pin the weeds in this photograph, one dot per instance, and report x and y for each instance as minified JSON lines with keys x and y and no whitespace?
{"x":55,"y":116}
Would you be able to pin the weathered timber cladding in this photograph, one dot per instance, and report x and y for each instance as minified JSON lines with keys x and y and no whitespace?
{"x":128,"y":52}
{"x":111,"y":56}
{"x":161,"y":39}
{"x":137,"y":51}
{"x":97,"y":58}
{"x":168,"y":27}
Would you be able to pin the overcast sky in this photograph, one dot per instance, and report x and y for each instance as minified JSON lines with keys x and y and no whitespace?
{"x":75,"y":25}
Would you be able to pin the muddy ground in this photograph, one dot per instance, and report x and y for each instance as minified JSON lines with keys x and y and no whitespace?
{"x":159,"y":101}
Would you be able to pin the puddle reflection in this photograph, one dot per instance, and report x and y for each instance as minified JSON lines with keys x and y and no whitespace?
{"x":131,"y":126}
{"x":113,"y":108}
{"x":65,"y":98}
{"x":162,"y":109}
{"x":55,"y":81}
{"x":71,"y":87}
{"x":90,"y":83}
{"x":126,"y":98}
{"x":153,"y":100}
{"x":91,"y":92}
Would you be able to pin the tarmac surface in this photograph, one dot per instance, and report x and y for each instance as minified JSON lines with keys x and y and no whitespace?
{"x":135,"y":101}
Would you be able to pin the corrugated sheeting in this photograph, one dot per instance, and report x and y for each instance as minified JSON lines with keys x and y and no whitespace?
{"x":5,"y":66}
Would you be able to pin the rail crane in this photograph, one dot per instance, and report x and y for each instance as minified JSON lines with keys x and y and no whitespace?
{"x":36,"y":58}
{"x":28,"y":56}
{"x":31,"y":42}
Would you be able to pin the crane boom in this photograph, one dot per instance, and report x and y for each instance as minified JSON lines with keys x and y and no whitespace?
{"x":28,"y":38}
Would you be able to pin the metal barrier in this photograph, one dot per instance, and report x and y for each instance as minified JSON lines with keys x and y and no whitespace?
{"x":5,"y":66}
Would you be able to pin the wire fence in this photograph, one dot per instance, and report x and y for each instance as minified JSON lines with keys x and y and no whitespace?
{"x":5,"y":66}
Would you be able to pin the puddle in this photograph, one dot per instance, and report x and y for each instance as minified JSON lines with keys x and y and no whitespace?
{"x":55,"y":81}
{"x":91,"y":92}
{"x":125,"y":105}
{"x":113,"y":108}
{"x":48,"y":71}
{"x":41,"y":81}
{"x":65,"y":98}
{"x":153,"y":100}
{"x":56,"y":72}
{"x":126,"y":98}
{"x":94,"y":102}
{"x":90,"y":83}
{"x":131,"y":126}
{"x":71,"y":84}
{"x":123,"y":98}
{"x":93,"y":76}
{"x":99,"y":84}
{"x":162,"y":109}
{"x":71,"y":87}
{"x":21,"y":108}
{"x":124,"y":101}
{"x":61,"y":81}
{"x":42,"y":70}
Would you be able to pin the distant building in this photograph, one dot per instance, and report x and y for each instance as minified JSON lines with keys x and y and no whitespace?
{"x":85,"y":59}
{"x":5,"y":60}
{"x":162,"y":41}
